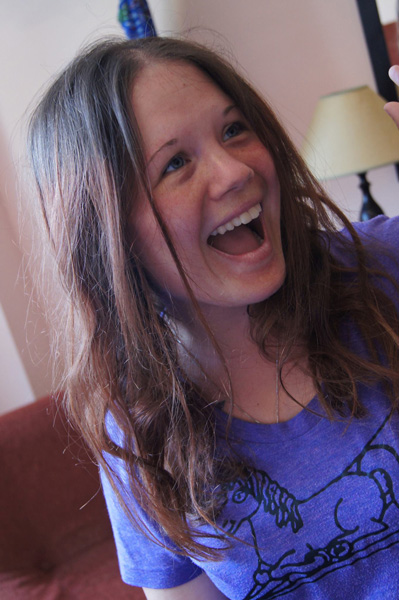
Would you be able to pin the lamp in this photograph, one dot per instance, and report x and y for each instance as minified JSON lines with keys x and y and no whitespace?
{"x":350,"y":133}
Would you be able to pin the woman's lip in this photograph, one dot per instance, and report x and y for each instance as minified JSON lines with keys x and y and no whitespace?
{"x":240,"y":210}
{"x":254,"y":256}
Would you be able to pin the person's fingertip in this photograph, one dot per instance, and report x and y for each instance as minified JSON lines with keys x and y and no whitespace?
{"x":387,"y":108}
{"x":394,"y":74}
{"x":391,"y":108}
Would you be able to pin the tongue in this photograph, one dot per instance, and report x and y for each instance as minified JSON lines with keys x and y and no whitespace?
{"x":239,"y":241}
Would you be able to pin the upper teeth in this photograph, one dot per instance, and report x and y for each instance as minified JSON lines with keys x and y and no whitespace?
{"x":243,"y":219}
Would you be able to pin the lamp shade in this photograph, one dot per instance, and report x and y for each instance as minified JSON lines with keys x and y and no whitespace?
{"x":350,"y":133}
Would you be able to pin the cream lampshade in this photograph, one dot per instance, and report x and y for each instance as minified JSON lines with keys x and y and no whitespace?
{"x":350,"y":133}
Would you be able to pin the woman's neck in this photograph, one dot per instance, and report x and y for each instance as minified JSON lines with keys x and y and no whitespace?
{"x":224,"y":333}
{"x":239,"y":369}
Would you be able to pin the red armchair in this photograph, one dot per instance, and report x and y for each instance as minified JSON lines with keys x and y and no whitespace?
{"x":55,"y":537}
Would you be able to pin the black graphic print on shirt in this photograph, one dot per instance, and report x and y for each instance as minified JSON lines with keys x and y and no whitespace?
{"x":348,"y":519}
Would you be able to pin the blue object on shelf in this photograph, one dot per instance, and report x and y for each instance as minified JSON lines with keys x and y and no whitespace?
{"x":135,"y":18}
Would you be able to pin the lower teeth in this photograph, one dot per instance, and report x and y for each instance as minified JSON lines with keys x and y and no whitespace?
{"x":258,"y":238}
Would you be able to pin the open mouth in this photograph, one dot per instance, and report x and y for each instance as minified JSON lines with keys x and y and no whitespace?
{"x":241,"y":235}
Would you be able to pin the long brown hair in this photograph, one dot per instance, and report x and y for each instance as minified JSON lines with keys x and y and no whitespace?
{"x":121,"y":356}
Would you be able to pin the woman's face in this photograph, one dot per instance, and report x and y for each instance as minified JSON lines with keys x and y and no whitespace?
{"x":215,"y":186}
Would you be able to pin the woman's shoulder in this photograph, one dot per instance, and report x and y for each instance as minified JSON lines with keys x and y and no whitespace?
{"x":381,"y":229}
{"x":380,"y":239}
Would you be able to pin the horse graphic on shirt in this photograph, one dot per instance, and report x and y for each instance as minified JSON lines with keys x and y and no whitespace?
{"x":350,"y":517}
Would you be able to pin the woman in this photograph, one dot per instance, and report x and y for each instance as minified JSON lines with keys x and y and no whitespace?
{"x":232,"y":359}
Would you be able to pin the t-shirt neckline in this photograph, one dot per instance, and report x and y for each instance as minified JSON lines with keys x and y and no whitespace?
{"x":308,"y":418}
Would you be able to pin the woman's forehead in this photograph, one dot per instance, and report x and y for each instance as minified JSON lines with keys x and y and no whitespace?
{"x":169,"y":94}
{"x":163,"y":79}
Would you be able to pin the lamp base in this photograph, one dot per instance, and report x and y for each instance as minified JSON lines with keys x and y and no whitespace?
{"x":370,"y":208}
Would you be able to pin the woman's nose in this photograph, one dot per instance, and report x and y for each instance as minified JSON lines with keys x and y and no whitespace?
{"x":226,"y":173}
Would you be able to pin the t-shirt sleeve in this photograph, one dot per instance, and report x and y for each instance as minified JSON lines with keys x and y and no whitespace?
{"x":383,"y":229}
{"x":381,"y":238}
{"x":143,"y":562}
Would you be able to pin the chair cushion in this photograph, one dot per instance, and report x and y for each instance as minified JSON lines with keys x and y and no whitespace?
{"x":56,"y":540}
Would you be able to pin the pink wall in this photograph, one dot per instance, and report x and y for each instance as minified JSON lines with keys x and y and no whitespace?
{"x":296,"y":52}
{"x":293,"y":50}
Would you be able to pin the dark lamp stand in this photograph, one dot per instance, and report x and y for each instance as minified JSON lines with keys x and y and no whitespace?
{"x":370,"y":208}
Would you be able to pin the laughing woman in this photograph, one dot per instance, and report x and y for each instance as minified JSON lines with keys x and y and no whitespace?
{"x":232,"y":339}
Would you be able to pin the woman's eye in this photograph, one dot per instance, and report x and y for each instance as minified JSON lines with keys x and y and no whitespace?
{"x":233,"y":130}
{"x":176,"y":163}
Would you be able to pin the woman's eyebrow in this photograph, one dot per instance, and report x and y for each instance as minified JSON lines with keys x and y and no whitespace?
{"x":229,"y":109}
{"x":173,"y":141}
{"x":167,"y":144}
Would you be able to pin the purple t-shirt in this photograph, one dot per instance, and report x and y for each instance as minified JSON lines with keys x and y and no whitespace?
{"x":319,"y":514}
